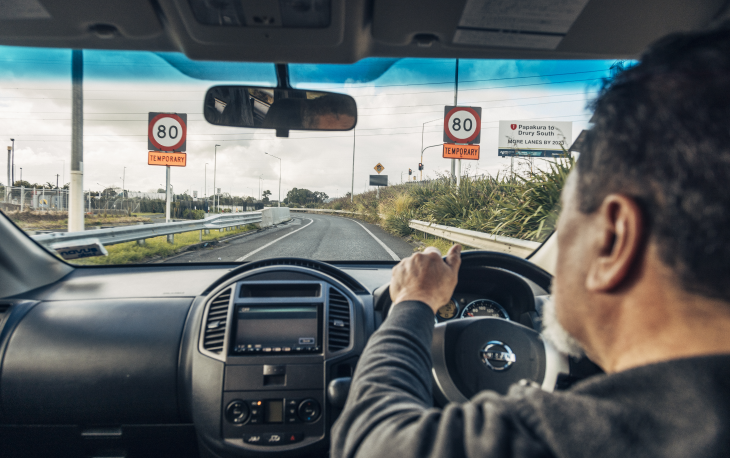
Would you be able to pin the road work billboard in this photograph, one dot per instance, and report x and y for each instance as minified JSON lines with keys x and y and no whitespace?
{"x":534,"y":138}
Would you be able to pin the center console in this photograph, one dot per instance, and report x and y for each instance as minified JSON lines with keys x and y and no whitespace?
{"x":280,"y":343}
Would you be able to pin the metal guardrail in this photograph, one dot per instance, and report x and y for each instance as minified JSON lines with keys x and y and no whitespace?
{"x":483,"y":240}
{"x":123,"y":234}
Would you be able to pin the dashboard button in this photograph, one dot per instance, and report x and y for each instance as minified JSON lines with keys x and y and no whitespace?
{"x":255,"y":439}
{"x":309,"y":410}
{"x":290,"y":438}
{"x":237,"y":412}
{"x":273,"y":438}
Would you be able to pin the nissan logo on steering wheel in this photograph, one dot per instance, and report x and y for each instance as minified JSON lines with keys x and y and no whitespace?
{"x":497,"y":356}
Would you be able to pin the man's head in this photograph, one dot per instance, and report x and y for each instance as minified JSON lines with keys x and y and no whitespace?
{"x":330,"y":112}
{"x":648,"y":203}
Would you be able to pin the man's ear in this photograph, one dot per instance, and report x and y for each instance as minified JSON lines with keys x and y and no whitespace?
{"x":619,"y":242}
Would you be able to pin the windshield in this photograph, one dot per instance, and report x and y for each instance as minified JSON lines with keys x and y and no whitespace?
{"x":377,"y":192}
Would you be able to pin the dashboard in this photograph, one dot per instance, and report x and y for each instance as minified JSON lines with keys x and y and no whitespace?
{"x":249,"y":360}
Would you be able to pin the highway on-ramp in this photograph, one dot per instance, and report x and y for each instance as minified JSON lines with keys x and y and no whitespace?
{"x":325,"y":238}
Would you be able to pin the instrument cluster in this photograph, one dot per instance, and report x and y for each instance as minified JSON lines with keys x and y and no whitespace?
{"x":465,"y":307}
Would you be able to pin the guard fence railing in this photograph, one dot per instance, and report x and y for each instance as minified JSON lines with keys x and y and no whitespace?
{"x":114,"y":235}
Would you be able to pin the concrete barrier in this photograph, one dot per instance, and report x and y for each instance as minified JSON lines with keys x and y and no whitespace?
{"x":274,"y":215}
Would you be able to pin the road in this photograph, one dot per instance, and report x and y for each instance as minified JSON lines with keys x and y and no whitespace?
{"x":325,"y":238}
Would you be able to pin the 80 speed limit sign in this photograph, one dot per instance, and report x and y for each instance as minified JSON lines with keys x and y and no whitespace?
{"x":167,"y":131}
{"x":462,"y":124}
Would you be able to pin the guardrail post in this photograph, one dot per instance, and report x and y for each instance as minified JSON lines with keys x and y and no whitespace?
{"x":170,"y":238}
{"x":200,"y":236}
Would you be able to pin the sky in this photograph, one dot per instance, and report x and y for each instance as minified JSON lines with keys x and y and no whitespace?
{"x":396,"y":99}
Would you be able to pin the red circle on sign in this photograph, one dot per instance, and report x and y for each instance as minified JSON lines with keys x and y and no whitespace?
{"x":182,"y":137}
{"x":476,"y":131}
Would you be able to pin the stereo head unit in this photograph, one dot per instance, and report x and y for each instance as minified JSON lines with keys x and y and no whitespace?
{"x":277,"y":329}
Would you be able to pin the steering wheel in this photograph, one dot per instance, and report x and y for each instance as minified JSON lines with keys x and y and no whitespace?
{"x":491,"y":353}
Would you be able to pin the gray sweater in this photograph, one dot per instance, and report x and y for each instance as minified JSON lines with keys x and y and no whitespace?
{"x":679,"y":408}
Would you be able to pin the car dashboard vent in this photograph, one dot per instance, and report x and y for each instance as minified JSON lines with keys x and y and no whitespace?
{"x":215,"y":324}
{"x":339,"y":321}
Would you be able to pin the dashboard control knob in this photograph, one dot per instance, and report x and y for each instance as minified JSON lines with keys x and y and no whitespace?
{"x":309,"y":410}
{"x":237,"y":412}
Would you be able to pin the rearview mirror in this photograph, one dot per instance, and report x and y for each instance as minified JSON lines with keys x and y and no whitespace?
{"x":280,"y":109}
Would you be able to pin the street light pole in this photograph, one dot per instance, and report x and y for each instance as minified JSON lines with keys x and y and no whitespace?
{"x":279,"y":176}
{"x":261,"y":177}
{"x":215,"y":166}
{"x":422,"y":150}
{"x":12,"y":169}
{"x":423,"y":126}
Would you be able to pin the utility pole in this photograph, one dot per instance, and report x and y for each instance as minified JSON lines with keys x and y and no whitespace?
{"x":76,"y":188}
{"x":215,"y":166}
{"x":57,"y":175}
{"x":352,"y":192}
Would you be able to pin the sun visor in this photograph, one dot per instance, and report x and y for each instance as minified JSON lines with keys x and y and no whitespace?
{"x":540,"y":24}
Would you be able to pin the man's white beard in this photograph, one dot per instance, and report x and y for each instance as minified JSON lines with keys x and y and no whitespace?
{"x":555,"y":333}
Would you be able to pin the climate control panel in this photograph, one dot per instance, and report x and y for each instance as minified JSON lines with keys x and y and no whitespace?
{"x":268,"y":419}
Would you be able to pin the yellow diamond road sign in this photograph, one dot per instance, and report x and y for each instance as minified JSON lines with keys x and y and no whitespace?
{"x":379,"y":168}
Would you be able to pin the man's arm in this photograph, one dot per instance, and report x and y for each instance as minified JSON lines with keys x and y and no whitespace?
{"x":389,"y":411}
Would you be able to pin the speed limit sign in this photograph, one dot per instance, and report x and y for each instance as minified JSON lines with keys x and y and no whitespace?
{"x":167,"y":131}
{"x":462,"y":124}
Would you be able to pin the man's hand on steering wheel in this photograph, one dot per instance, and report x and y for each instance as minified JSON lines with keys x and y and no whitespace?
{"x":426,"y":277}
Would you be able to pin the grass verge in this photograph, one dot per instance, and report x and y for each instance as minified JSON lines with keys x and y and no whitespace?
{"x":523,"y":206}
{"x":131,"y":252}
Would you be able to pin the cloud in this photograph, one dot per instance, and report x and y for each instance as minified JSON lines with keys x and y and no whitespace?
{"x":35,"y":109}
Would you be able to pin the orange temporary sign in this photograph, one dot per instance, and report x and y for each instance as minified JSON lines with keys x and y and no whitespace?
{"x":163,"y":158}
{"x":469,"y":152}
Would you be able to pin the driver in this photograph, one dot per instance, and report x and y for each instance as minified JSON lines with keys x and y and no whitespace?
{"x":641,"y":286}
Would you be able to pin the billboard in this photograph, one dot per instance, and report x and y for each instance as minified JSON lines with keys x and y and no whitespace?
{"x":534,"y":138}
{"x":378,"y":180}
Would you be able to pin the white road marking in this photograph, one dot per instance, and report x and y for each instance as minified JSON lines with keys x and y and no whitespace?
{"x":390,"y":252}
{"x":243,"y":258}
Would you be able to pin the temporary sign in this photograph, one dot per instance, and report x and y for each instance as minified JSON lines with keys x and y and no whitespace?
{"x":379,"y":168}
{"x":195,"y":194}
{"x":534,"y":138}
{"x":378,"y":180}
{"x":469,"y":152}
{"x":167,"y":131}
{"x":171,"y":159}
{"x":462,"y":124}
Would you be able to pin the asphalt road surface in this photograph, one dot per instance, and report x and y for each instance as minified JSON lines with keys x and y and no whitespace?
{"x":325,"y":238}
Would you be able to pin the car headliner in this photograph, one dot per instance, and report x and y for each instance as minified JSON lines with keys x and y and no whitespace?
{"x":358,"y":29}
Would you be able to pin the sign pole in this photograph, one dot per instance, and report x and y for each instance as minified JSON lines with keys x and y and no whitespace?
{"x":352,"y":191}
{"x":456,"y":104}
{"x":76,"y":188}
{"x":167,"y":194}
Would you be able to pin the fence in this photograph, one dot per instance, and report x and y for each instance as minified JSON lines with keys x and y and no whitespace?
{"x":22,"y":198}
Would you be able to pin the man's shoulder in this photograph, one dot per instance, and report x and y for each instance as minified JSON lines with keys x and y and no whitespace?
{"x":659,"y":407}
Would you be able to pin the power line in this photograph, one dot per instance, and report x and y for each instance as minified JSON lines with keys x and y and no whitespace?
{"x":370,"y":95}
{"x":325,"y":87}
{"x":268,"y":138}
{"x":359,"y":115}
